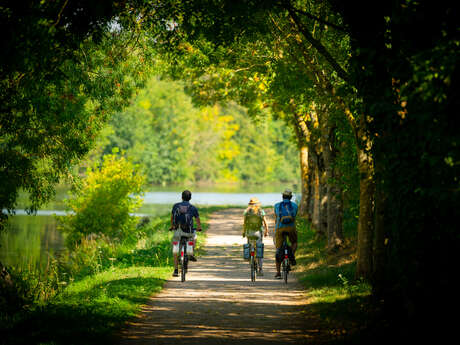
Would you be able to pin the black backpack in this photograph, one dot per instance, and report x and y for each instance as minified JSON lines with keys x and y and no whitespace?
{"x":183,"y":217}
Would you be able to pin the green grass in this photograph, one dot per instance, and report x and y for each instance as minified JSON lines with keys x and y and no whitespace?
{"x":342,"y":302}
{"x":89,"y":311}
{"x":101,"y":296}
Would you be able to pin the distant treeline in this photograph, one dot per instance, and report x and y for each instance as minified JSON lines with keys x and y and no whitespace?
{"x":175,"y":142}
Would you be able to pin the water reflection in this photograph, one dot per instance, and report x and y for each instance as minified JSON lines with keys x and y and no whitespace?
{"x":30,"y":241}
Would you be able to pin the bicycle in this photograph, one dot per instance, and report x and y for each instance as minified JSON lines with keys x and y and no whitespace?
{"x":286,"y":265}
{"x":184,"y":243}
{"x":253,"y":259}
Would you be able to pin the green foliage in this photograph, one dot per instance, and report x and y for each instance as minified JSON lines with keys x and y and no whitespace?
{"x":175,"y":142}
{"x":64,"y":71}
{"x":102,"y":204}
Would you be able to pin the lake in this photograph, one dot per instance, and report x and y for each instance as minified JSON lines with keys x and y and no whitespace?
{"x":32,"y":240}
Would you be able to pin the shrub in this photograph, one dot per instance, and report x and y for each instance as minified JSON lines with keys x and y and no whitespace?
{"x":102,"y":203}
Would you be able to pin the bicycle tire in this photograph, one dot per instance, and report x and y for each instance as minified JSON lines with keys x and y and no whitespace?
{"x":285,"y":271}
{"x":183,"y":264}
{"x":253,"y":269}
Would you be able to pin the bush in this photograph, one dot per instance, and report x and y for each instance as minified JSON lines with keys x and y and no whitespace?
{"x":102,"y":203}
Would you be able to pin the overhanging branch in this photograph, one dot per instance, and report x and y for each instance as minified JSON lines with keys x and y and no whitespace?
{"x":322,"y":21}
{"x":316,"y":44}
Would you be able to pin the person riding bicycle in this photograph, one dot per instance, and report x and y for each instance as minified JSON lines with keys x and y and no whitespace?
{"x":254,"y":224}
{"x":285,"y":213}
{"x":182,"y":215}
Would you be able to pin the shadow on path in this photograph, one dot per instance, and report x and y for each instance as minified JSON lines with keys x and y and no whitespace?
{"x":218,"y":304}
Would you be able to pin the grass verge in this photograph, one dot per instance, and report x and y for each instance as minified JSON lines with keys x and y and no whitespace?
{"x":108,"y":287}
{"x":342,"y":303}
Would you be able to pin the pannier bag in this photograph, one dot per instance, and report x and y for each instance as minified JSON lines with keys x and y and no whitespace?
{"x":175,"y":247}
{"x":246,"y":251}
{"x":189,"y":247}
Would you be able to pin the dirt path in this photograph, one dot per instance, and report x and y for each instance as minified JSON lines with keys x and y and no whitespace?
{"x":218,"y":304}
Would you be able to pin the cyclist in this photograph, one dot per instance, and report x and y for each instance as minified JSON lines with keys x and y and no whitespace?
{"x":285,"y":213}
{"x":254,"y":224}
{"x":182,"y":215}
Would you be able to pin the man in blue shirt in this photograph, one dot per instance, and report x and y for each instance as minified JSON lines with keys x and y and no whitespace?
{"x":285,"y":213}
{"x":182,"y":215}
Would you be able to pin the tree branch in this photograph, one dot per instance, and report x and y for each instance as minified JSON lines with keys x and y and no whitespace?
{"x":322,"y":21}
{"x":316,"y":44}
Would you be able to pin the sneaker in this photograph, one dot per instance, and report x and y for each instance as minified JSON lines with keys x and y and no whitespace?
{"x":278,"y":276}
{"x":176,"y":273}
{"x":192,"y":258}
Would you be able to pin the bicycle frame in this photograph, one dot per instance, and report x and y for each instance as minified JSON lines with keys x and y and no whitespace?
{"x":253,"y":259}
{"x":285,"y":263}
{"x":184,"y":256}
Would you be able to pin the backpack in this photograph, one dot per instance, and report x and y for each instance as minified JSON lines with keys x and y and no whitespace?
{"x":286,"y":213}
{"x":252,"y":221}
{"x":183,"y":217}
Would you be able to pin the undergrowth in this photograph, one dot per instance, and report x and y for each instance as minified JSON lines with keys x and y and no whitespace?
{"x":333,"y":293}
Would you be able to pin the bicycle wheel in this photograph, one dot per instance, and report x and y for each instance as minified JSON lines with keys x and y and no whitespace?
{"x":285,"y":271}
{"x":253,"y":269}
{"x":182,"y":263}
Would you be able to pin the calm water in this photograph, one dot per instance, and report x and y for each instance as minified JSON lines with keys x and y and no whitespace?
{"x":32,"y":240}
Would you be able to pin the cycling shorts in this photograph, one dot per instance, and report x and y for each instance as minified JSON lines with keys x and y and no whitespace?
{"x":179,"y":233}
{"x":292,"y":234}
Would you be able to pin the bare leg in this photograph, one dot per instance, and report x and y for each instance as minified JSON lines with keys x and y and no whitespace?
{"x":175,"y":261}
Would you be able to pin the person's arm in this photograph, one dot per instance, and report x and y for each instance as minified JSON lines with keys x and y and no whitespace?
{"x":172,"y":220}
{"x":198,"y":223}
{"x":265,"y":226}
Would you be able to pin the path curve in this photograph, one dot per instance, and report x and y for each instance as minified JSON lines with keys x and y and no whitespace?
{"x":218,"y":304}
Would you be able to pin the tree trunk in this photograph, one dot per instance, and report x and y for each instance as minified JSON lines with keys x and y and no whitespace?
{"x":324,"y":203}
{"x":304,"y":180}
{"x":312,"y":187}
{"x":316,"y":200}
{"x":302,"y":133}
{"x":334,"y":195}
{"x":365,"y":223}
{"x":379,"y":260}
{"x":334,"y":218}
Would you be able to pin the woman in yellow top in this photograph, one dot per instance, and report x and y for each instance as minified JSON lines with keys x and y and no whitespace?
{"x":254,"y":225}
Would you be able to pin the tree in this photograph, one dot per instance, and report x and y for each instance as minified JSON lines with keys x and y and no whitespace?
{"x":404,"y":66}
{"x":250,"y":66}
{"x":66,"y":66}
{"x":175,"y":142}
{"x":394,"y":82}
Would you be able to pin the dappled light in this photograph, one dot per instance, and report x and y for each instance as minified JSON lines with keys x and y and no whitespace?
{"x":347,"y":108}
{"x":218,"y":302}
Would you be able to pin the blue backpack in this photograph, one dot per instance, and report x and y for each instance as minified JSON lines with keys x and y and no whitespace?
{"x":286,"y":215}
{"x":183,"y":217}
